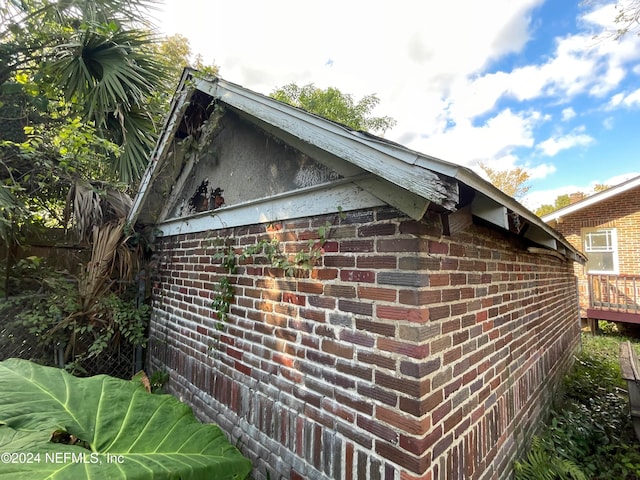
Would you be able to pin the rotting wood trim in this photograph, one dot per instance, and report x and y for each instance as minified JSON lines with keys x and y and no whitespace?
{"x":306,"y":202}
{"x":211,"y":128}
{"x":340,"y":142}
{"x":159,"y":154}
{"x":407,"y":202}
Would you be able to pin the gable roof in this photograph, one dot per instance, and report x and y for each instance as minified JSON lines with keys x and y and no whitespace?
{"x":592,"y":200}
{"x":406,"y":179}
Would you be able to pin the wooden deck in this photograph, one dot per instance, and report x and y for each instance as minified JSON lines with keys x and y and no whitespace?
{"x":615,"y":298}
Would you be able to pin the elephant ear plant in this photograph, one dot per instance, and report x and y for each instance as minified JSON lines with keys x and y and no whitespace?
{"x":57,"y":426}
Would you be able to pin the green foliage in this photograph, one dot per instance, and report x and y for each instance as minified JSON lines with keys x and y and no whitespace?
{"x":93,"y":58}
{"x":590,"y":434}
{"x":119,"y":429}
{"x":224,"y":294}
{"x":541,"y":464}
{"x":54,"y":316}
{"x":335,"y":105}
{"x":158,"y":380}
{"x":513,"y":182}
{"x":560,"y":201}
{"x":269,"y":251}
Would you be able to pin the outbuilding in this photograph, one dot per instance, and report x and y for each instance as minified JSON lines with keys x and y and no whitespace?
{"x":345,"y":307}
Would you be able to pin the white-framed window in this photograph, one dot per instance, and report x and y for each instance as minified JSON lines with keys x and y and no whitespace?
{"x":601,"y":248}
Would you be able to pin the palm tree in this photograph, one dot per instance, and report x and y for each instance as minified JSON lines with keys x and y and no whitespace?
{"x":100,"y":54}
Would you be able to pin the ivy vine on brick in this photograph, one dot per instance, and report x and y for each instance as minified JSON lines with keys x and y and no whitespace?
{"x":304,"y":260}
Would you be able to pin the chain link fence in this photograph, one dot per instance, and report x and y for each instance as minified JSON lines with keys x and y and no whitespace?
{"x":119,"y":359}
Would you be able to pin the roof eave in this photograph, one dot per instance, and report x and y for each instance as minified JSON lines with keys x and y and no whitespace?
{"x":433,"y":179}
{"x":592,"y":200}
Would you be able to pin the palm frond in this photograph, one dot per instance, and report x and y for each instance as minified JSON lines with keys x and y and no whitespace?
{"x":96,"y":276}
{"x":89,"y":206}
{"x":113,"y":73}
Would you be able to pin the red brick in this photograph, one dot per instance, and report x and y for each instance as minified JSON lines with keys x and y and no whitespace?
{"x":418,"y":315}
{"x":403,"y":458}
{"x":338,"y":349}
{"x":405,"y":423}
{"x":289,"y":297}
{"x":411,"y":350}
{"x":359,"y":246}
{"x":375,"y":293}
{"x":364,"y":276}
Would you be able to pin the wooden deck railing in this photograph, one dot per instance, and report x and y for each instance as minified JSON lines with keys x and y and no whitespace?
{"x":615,"y":292}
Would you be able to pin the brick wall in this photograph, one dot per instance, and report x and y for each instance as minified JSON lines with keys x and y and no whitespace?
{"x":404,"y":354}
{"x":621,"y":212}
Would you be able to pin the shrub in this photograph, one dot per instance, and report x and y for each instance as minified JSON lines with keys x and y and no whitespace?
{"x":589,"y":434}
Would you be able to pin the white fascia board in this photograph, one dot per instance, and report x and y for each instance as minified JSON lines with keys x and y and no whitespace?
{"x":317,"y":200}
{"x":393,"y":164}
{"x":493,"y":212}
{"x":593,"y":199}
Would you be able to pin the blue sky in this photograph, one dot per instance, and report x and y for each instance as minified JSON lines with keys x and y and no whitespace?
{"x":535,"y":84}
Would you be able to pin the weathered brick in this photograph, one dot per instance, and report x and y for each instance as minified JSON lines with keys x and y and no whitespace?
{"x":418,"y":446}
{"x":403,"y":348}
{"x":340,"y":261}
{"x":377,"y":261}
{"x":403,"y":458}
{"x":374,"y":293}
{"x":359,"y":308}
{"x":419,"y":407}
{"x":402,"y":392}
{"x":362,"y":276}
{"x":419,"y":297}
{"x":376,"y":428}
{"x":377,"y":327}
{"x":418,"y":315}
{"x":419,"y":333}
{"x":405,"y":423}
{"x":414,"y":388}
{"x":338,"y":349}
{"x":357,"y":246}
{"x":415,"y":244}
{"x":403,"y":279}
{"x":340,"y":291}
{"x":420,"y":369}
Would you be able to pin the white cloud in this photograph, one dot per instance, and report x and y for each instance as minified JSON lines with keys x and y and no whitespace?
{"x":568,"y":113}
{"x":552,"y":146}
{"x":622,"y":99}
{"x":608,"y":123}
{"x":494,"y":140}
{"x":429,"y":63}
{"x":535,"y":199}
{"x":411,"y":57}
{"x":541,"y":171}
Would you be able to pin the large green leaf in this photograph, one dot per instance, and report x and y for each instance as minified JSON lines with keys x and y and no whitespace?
{"x":112,"y":429}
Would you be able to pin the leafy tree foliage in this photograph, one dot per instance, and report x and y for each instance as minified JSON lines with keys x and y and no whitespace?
{"x":94,"y":56}
{"x":561,"y":201}
{"x":513,"y":182}
{"x":79,"y":83}
{"x":176,"y":54}
{"x":600,"y":187}
{"x":627,"y":18}
{"x":564,"y":200}
{"x":335,"y":105}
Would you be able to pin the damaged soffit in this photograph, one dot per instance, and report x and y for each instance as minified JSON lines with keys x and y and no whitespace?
{"x":403,"y":178}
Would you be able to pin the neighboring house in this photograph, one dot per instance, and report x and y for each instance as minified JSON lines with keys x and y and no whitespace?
{"x":424,"y":340}
{"x":606,"y":227}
